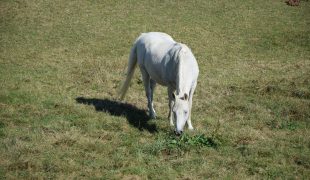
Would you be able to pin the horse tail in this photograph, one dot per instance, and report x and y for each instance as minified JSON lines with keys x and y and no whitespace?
{"x":132,"y":63}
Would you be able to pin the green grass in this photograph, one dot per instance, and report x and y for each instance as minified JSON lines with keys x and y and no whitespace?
{"x":61,"y":64}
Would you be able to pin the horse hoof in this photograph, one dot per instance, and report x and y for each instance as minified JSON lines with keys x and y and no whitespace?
{"x":191,"y":128}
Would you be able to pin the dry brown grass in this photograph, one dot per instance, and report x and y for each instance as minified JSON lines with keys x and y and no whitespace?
{"x":61,"y":64}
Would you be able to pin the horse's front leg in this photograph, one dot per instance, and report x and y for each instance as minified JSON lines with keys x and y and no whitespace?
{"x":170,"y":116}
{"x":190,"y":101}
{"x":189,"y":122}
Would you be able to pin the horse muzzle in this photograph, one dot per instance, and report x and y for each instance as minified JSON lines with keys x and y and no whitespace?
{"x":178,"y":133}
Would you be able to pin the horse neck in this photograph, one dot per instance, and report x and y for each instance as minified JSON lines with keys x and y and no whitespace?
{"x":182,"y":79}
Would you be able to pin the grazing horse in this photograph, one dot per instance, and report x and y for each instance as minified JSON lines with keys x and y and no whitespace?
{"x":169,"y":63}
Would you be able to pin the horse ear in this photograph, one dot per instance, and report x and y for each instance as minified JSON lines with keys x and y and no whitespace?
{"x":173,"y":96}
{"x":185,"y":97}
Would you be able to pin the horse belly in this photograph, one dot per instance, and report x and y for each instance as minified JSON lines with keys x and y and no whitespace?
{"x":156,"y":74}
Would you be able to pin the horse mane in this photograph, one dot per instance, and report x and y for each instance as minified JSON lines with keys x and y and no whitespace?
{"x":179,"y":51}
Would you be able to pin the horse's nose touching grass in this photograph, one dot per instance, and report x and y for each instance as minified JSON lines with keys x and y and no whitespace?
{"x":178,"y":133}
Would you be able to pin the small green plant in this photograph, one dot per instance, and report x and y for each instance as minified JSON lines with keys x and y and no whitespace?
{"x":186,"y":141}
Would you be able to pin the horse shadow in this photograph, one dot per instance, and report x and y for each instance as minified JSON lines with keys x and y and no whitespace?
{"x":136,"y":117}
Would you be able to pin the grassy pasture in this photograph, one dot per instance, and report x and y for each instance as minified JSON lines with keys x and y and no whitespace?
{"x":61,"y":63}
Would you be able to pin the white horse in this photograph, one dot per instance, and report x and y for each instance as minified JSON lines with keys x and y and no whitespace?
{"x":171,"y":64}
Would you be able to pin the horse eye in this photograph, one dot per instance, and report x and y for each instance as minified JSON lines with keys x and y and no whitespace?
{"x":185,"y":112}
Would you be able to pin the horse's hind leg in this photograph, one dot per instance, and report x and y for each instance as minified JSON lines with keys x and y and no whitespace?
{"x":152,"y":85}
{"x":149,"y":86}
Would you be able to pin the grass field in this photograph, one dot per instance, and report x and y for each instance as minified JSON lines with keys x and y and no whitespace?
{"x":62,"y":62}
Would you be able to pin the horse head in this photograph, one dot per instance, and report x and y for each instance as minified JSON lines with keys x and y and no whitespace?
{"x":180,"y":111}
